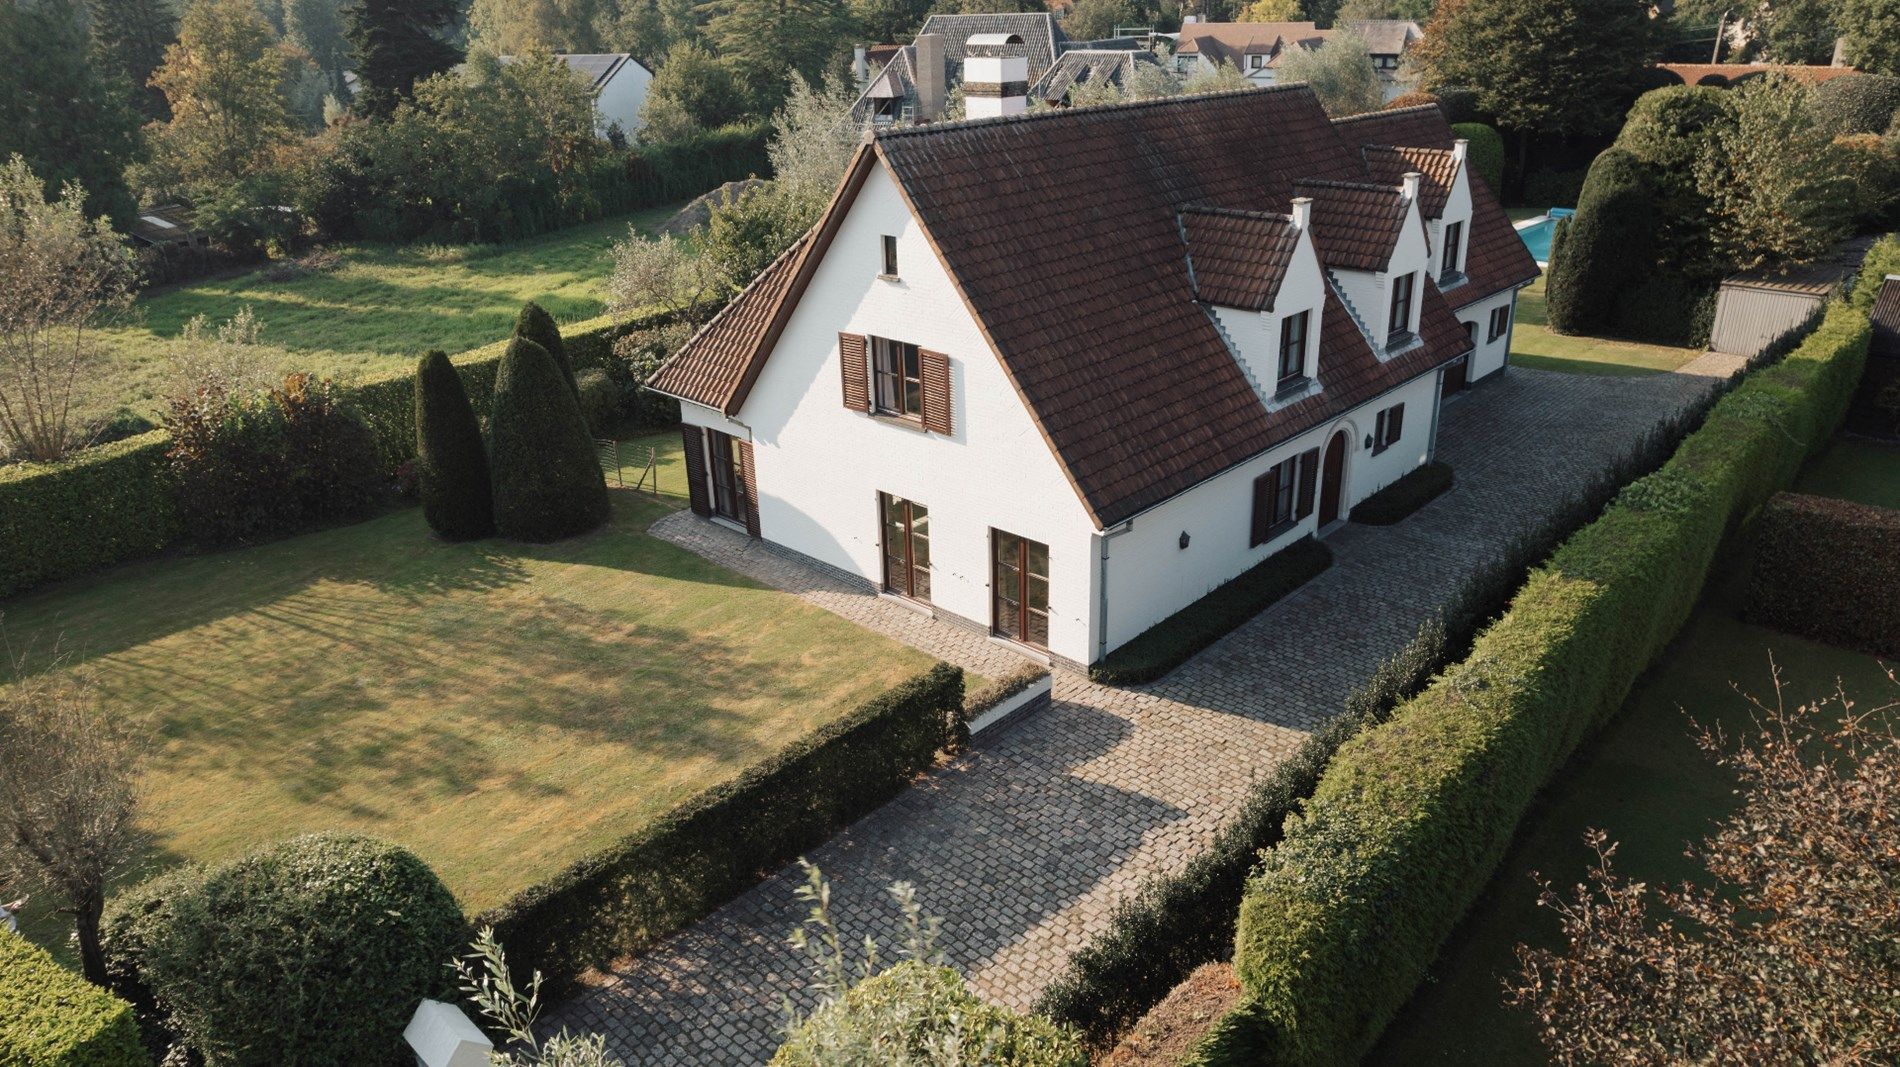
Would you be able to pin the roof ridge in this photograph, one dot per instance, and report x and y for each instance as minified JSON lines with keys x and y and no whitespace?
{"x":1232,"y":212}
{"x":1331,"y":183}
{"x":895,"y":132}
{"x":1415,"y":108}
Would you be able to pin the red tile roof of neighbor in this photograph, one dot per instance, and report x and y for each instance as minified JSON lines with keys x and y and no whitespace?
{"x":1693,"y":73}
{"x":1496,"y":258}
{"x":1238,"y":259}
{"x":1063,"y":232}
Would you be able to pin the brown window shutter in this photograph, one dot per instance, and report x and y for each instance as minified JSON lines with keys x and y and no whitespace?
{"x":1396,"y":424}
{"x":694,"y":440}
{"x":857,"y":373}
{"x":1265,"y":488}
{"x":749,"y":477}
{"x":1309,"y":477}
{"x":936,"y":371}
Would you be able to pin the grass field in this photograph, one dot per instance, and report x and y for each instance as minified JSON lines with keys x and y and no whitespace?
{"x":501,"y":709}
{"x":1534,"y":345}
{"x":1645,"y":783}
{"x":380,"y":307}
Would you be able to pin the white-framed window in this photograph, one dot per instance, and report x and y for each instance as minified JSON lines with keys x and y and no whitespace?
{"x":1500,"y":323}
{"x":1399,"y":325}
{"x":890,"y":255}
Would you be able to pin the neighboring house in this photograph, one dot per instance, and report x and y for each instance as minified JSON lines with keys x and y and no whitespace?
{"x":1257,"y":48}
{"x":619,"y":82}
{"x":914,"y":84}
{"x":1091,"y":67}
{"x":167,"y":226}
{"x":1054,"y":377}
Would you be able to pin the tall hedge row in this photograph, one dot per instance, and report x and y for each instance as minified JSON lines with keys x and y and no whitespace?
{"x":1411,"y":818}
{"x":100,"y":507}
{"x":708,"y":849}
{"x":51,"y":1017}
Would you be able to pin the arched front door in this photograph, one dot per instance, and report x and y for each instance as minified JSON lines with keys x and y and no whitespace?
{"x":1333,"y":481}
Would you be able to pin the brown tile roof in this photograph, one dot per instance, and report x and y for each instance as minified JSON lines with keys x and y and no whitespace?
{"x":1886,"y":342}
{"x":1085,"y":298}
{"x":1496,"y":259}
{"x":1729,"y":73}
{"x":1386,"y":37}
{"x":1355,"y":224}
{"x":1390,"y":164}
{"x":724,"y":348}
{"x":1238,"y":258}
{"x":1229,"y":42}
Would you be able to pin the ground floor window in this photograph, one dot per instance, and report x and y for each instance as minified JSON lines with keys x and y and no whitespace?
{"x":728,"y":490}
{"x":1388,"y":428}
{"x":1500,"y":322}
{"x":1019,"y":578}
{"x":1274,"y":496}
{"x":906,"y":546}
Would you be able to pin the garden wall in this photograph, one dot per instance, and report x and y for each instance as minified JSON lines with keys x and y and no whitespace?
{"x":722,"y":841}
{"x":1411,"y":818}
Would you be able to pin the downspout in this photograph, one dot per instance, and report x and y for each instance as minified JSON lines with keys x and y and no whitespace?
{"x":1101,"y":625}
{"x":1438,"y":406}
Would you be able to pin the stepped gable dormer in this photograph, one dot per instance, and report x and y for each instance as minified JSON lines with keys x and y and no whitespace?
{"x":1444,"y":198}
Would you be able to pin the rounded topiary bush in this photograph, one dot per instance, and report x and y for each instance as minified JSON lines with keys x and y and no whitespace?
{"x":1486,"y":152}
{"x":547,"y":479}
{"x":1604,"y":248}
{"x":535,"y":324}
{"x":451,"y":461}
{"x":1855,"y":103}
{"x":600,"y":399}
{"x":313,"y":951}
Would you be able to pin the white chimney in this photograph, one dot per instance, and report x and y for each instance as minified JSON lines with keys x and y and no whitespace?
{"x":927,"y":54}
{"x":995,"y":78}
{"x":1459,"y":150}
{"x":1409,"y":184}
{"x":1302,"y":212}
{"x":860,"y":68}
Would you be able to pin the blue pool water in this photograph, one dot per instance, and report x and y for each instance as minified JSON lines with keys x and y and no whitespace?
{"x":1536,"y":234}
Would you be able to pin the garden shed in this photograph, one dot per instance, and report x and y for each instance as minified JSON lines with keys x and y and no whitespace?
{"x":1757,"y":306}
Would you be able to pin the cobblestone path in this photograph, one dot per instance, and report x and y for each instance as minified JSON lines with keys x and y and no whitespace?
{"x":1023,"y":844}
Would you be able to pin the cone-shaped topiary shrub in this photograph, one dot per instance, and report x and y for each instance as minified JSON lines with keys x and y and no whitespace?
{"x":1604,"y":248}
{"x":451,"y":462}
{"x":547,"y":479}
{"x":537,"y":325}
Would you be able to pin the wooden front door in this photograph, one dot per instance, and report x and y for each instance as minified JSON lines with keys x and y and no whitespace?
{"x":1333,"y":481}
{"x":728,"y":489}
{"x":1455,"y":376}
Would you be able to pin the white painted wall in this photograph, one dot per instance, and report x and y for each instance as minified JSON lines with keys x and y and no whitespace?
{"x":821,"y":465}
{"x":1256,"y":334}
{"x":1371,"y":291}
{"x":1489,"y":355}
{"x":620,"y":100}
{"x":1150,"y":576}
{"x":1457,"y":209}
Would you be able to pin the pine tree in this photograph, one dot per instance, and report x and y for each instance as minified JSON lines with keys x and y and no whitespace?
{"x":451,"y":461}
{"x":62,"y":113}
{"x":398,"y":43}
{"x":548,"y":483}
{"x":130,"y":38}
{"x":535,"y":324}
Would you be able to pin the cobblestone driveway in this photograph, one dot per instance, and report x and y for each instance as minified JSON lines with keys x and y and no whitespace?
{"x":1023,"y":845}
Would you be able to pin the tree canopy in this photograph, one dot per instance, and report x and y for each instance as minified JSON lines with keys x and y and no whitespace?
{"x":1552,"y":67}
{"x":68,"y":117}
{"x":398,"y":43}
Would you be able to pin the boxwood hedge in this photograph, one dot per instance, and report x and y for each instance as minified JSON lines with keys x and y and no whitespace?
{"x":1830,"y":570}
{"x":100,"y":507}
{"x":51,"y":1017}
{"x":1411,"y":818}
{"x":720,"y":842}
{"x":1419,"y":487}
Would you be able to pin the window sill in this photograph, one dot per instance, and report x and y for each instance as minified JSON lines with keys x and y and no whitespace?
{"x":1451,"y":281}
{"x":921,"y":607}
{"x":907,"y":422}
{"x":1396,"y":343}
{"x":1274,"y":533}
{"x":890,"y":278}
{"x":1040,"y":655}
{"x":1287,"y":388}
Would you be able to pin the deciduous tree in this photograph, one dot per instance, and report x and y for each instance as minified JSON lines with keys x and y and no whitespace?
{"x":1872,"y":29}
{"x":1339,"y":72}
{"x":1272,"y":11}
{"x":1778,"y":189}
{"x":224,"y":81}
{"x":511,"y":27}
{"x":779,"y":38}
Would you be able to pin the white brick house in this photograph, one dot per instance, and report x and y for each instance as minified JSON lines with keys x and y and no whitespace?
{"x":1032,"y":375}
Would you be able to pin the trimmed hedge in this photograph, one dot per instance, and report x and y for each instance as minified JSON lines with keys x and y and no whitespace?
{"x":51,"y":1017}
{"x":915,"y":1012}
{"x":1829,"y":570}
{"x":1605,"y":248}
{"x":451,"y":458}
{"x":547,"y":478}
{"x":538,"y":326}
{"x":1168,"y":643}
{"x":1411,"y":818}
{"x":1486,"y":151}
{"x":100,"y":507}
{"x":719,"y":843}
{"x":1419,"y":487}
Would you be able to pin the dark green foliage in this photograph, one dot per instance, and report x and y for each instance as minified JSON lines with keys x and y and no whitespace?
{"x":1829,"y":570}
{"x":1549,"y":68}
{"x":61,"y":111}
{"x":398,"y":43}
{"x":1419,"y":487}
{"x":451,"y":460}
{"x":535,"y":324}
{"x":1668,"y":130}
{"x":548,"y":483}
{"x":1411,"y":818}
{"x":1486,"y":152}
{"x":1603,"y":248}
{"x":710,"y":848}
{"x":101,"y":506}
{"x":129,"y":37}
{"x":1552,"y":187}
{"x":1460,"y":105}
{"x":51,"y":1017}
{"x":1668,"y":308}
{"x":1168,"y":643}
{"x":135,"y":919}
{"x":599,"y":399}
{"x":246,"y":467}
{"x":315,"y":950}
{"x":1855,"y":103}
{"x":927,"y":1011}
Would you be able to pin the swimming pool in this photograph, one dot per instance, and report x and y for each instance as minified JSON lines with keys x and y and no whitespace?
{"x":1536,"y":232}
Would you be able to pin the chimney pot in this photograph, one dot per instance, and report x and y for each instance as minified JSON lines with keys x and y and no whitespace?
{"x":1460,"y":149}
{"x":927,"y":53}
{"x":1302,"y":212}
{"x":860,"y":68}
{"x":1410,"y":183}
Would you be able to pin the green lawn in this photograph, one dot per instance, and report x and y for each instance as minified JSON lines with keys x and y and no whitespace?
{"x":381,"y":307}
{"x":1646,"y":784}
{"x":1534,"y":345}
{"x":1855,"y":470}
{"x":501,"y":709}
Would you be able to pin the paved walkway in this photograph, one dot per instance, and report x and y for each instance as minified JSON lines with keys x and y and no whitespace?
{"x":1023,"y":845}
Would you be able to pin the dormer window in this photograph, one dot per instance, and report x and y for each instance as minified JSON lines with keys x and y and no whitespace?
{"x":1454,"y":239}
{"x":1293,"y":332}
{"x":890,"y":256}
{"x":1399,"y":329}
